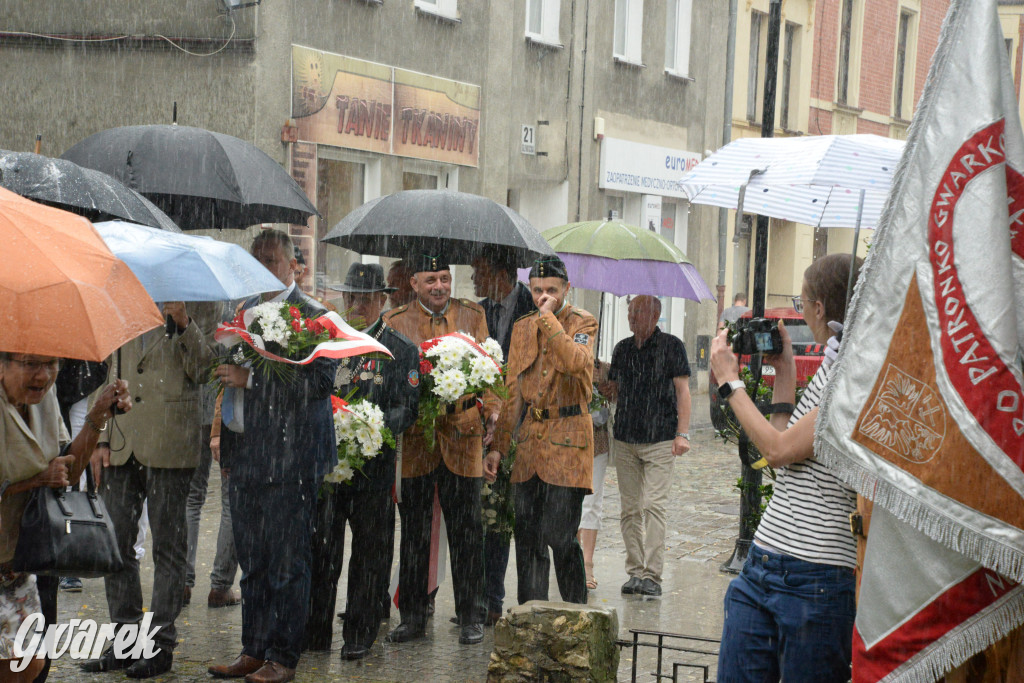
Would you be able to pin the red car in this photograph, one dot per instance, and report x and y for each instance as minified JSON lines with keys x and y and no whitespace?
{"x":807,"y":353}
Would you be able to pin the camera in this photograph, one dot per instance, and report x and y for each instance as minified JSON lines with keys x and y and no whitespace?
{"x":756,"y":335}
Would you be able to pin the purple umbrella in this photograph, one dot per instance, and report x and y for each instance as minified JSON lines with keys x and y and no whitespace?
{"x":633,"y":276}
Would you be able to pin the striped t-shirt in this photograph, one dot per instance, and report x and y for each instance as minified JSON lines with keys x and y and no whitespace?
{"x":808,"y":517}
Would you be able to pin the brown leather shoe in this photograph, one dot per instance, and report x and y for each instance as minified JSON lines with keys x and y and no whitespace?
{"x":272,"y":672}
{"x":242,"y":666}
{"x":223,"y":598}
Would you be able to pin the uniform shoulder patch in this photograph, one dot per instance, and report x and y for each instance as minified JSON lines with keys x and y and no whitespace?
{"x":395,"y":311}
{"x":527,"y":315}
{"x":581,"y":338}
{"x":471,"y":305}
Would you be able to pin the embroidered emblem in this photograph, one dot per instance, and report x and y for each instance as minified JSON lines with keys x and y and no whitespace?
{"x":414,"y":378}
{"x":581,"y":338}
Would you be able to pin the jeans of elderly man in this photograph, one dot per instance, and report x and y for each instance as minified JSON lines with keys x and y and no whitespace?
{"x":645,"y":478}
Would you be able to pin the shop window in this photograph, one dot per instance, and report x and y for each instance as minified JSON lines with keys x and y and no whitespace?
{"x":340,"y":189}
{"x":903,"y":80}
{"x":419,"y":181}
{"x":446,"y":9}
{"x":848,"y":68}
{"x":542,"y":21}
{"x":628,"y":28}
{"x":677,"y":37}
{"x":613,"y":208}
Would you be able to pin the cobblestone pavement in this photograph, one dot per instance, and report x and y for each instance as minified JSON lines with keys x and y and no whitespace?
{"x":702,"y":526}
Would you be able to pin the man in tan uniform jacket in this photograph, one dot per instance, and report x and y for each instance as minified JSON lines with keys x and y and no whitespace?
{"x":549,"y":379}
{"x":455,"y":466}
{"x":150,"y":455}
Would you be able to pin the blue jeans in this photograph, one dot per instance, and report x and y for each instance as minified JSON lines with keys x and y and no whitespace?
{"x":787,"y":619}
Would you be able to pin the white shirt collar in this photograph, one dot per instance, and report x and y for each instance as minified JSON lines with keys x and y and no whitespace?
{"x":283,"y":295}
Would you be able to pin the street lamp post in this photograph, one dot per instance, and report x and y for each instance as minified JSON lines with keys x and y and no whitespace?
{"x":750,"y":496}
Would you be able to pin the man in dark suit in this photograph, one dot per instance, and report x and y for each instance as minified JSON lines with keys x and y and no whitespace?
{"x":365,"y":502}
{"x":494,"y":277}
{"x":277,"y":463}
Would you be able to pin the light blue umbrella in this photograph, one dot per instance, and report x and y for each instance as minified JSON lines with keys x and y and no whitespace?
{"x":182,"y":267}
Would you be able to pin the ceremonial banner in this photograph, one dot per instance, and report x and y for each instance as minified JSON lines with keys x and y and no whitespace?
{"x":925,"y":410}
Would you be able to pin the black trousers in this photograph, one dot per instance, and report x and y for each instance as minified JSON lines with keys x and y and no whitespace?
{"x":548,"y":515}
{"x":272,"y":526}
{"x":460,"y":503}
{"x":371,"y":514}
{"x":47,"y":587}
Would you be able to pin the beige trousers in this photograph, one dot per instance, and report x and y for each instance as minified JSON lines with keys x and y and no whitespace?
{"x":645,"y":476}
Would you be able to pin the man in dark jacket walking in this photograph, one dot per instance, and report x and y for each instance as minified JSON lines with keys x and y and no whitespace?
{"x":365,"y":502}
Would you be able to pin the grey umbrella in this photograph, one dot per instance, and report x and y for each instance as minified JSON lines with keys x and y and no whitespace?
{"x":457,"y":224}
{"x":66,"y":185}
{"x":201,"y":179}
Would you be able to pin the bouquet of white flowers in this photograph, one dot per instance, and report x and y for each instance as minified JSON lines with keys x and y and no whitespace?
{"x":452,"y":366}
{"x":360,"y":433}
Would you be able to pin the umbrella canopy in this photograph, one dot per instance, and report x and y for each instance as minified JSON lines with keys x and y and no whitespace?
{"x":201,"y":179}
{"x":457,"y":224}
{"x":815,"y":179}
{"x":621,"y":259}
{"x":66,"y":185}
{"x":180,"y":267}
{"x":65,"y":294}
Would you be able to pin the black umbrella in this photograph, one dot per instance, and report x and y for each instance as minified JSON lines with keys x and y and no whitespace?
{"x":457,"y":224}
{"x":199,"y":178}
{"x":66,"y":185}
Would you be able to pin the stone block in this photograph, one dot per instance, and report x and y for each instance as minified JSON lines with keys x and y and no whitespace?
{"x":555,"y":641}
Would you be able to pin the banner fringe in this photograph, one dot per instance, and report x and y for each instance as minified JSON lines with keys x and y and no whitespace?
{"x":963,"y":642}
{"x":990,"y":553}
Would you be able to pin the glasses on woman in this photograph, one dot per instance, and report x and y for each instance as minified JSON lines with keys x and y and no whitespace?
{"x":34,"y":366}
{"x":798,"y":303}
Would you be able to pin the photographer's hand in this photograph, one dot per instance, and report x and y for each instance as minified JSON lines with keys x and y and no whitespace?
{"x":723,"y":360}
{"x":784,"y":363}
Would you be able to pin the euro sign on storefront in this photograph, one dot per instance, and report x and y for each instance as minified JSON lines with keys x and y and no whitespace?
{"x":925,"y":412}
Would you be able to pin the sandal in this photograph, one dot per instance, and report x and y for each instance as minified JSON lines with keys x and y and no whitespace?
{"x":588,"y":567}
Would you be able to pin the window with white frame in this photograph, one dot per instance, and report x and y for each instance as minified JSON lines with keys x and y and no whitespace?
{"x":903,"y":78}
{"x":542,"y":21}
{"x":677,"y":37}
{"x":447,"y":9}
{"x":628,"y":31}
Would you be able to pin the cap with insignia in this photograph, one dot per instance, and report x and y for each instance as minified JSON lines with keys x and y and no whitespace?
{"x":429,"y":263}
{"x":364,"y":278}
{"x":549,"y":266}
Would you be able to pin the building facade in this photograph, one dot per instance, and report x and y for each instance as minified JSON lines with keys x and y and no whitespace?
{"x":845,"y":66}
{"x":552,"y":107}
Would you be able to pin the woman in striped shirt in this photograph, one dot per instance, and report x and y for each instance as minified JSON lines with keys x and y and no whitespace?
{"x":789,"y":614}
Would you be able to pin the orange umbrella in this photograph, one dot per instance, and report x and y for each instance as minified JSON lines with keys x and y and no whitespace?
{"x":62,"y":292}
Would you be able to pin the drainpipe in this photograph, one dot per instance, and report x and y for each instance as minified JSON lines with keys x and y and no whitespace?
{"x":723,"y":214}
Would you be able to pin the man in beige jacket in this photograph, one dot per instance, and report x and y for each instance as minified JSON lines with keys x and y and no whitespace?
{"x":150,"y":455}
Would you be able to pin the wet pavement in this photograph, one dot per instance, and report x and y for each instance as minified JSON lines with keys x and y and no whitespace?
{"x":702,"y":526}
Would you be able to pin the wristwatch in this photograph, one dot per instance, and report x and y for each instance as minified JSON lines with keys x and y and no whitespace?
{"x":725,"y":390}
{"x":685,"y":435}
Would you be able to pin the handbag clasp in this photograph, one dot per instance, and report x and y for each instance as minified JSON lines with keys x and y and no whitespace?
{"x":67,"y":526}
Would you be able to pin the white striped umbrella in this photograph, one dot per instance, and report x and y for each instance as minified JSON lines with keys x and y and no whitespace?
{"x":815,"y":180}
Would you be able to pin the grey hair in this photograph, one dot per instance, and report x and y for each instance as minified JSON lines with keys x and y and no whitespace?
{"x":278,"y":238}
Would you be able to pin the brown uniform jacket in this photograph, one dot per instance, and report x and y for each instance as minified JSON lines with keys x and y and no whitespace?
{"x":459,"y":434}
{"x":550,"y":366}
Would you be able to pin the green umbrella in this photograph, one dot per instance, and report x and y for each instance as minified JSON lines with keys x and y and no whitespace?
{"x":614,"y":240}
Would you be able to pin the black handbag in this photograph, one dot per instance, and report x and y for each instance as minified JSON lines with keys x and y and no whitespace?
{"x":67,"y":533}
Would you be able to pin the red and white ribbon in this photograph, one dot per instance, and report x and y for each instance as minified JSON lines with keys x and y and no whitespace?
{"x":345,"y":340}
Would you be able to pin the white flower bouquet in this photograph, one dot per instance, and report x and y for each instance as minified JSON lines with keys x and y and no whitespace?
{"x":360,"y":434}
{"x":453,"y":366}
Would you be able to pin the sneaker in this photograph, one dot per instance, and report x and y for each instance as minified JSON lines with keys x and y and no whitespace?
{"x":632,"y":587}
{"x":71,"y":584}
{"x":650,"y":587}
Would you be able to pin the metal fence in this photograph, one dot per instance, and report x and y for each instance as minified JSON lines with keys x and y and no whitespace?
{"x":674,"y":655}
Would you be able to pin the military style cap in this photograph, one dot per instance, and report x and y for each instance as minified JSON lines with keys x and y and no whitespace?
{"x":429,"y":263}
{"x":549,"y":266}
{"x":364,"y":278}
